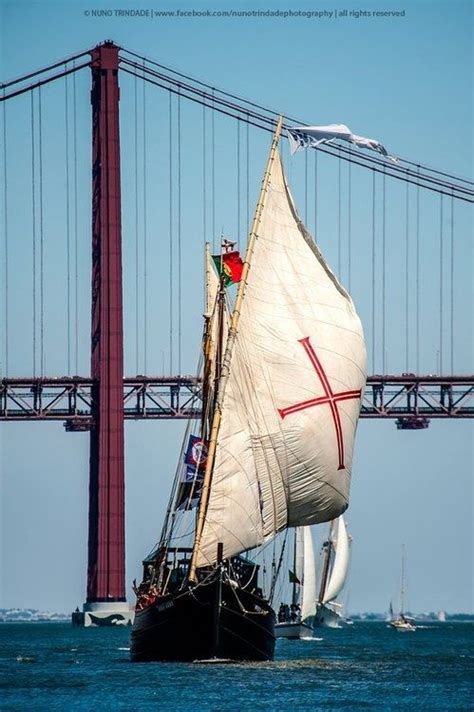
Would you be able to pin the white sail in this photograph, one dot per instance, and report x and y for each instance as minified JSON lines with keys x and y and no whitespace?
{"x":292,"y":398}
{"x":299,"y":562}
{"x":308,"y":605}
{"x":341,"y":563}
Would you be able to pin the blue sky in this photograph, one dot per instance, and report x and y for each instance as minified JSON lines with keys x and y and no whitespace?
{"x":406,"y":81}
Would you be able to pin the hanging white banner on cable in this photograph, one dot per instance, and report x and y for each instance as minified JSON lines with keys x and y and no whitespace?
{"x":308,"y":136}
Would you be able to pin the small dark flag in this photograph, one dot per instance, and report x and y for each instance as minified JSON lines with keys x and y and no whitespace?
{"x":293,"y":577}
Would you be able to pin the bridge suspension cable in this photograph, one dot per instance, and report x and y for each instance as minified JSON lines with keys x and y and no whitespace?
{"x":266,"y":121}
{"x":249,"y":111}
{"x":6,"y":242}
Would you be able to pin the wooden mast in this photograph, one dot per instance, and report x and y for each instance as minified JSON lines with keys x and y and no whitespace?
{"x":216,"y":421}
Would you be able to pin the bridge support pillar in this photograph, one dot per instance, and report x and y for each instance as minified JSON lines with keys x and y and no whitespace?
{"x":106,"y":598}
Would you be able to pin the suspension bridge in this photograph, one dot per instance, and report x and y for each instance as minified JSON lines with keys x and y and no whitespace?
{"x":174,"y":163}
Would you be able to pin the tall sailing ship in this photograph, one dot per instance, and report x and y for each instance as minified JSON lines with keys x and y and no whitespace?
{"x":283,"y":376}
{"x":335,"y":567}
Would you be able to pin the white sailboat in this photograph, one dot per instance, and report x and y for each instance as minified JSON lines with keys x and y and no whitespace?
{"x":402,"y":623}
{"x":296,"y":620}
{"x":336,"y":557}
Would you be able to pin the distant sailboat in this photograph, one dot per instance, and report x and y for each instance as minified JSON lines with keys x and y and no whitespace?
{"x":402,"y":622}
{"x":296,"y":620}
{"x":336,"y":556}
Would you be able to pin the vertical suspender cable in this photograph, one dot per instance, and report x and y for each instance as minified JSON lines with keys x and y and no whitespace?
{"x":349,"y":222}
{"x":339,"y":255}
{"x":68,"y":234}
{"x":179,"y":233}
{"x":306,"y":188}
{"x":247,"y":163}
{"x":145,"y":236}
{"x":33,"y":197}
{"x":137,"y":351}
{"x":76,"y":241}
{"x":204,"y":195}
{"x":384,"y":364}
{"x":5,"y":224}
{"x":238,"y":179}
{"x":40,"y":161}
{"x":171,"y":226}
{"x":452,"y":286}
{"x":417,"y":335}
{"x":213,"y":175}
{"x":441,"y":296}
{"x":373,"y":271}
{"x":315,"y":195}
{"x":407,"y":281}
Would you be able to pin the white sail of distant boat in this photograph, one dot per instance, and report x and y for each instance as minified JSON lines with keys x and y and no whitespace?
{"x":296,"y":620}
{"x":336,"y":557}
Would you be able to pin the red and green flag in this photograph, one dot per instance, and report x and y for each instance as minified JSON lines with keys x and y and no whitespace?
{"x":231,"y":265}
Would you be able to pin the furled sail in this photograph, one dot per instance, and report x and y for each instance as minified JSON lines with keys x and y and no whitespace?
{"x":212,"y":335}
{"x":341,"y":563}
{"x":292,"y":398}
{"x":308,"y":605}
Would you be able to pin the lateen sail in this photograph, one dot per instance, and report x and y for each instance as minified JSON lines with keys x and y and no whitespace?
{"x":292,"y":398}
{"x":341,"y":563}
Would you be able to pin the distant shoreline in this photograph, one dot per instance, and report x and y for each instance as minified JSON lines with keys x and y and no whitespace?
{"x":30,"y":615}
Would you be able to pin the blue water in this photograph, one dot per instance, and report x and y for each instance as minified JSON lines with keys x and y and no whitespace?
{"x":366,"y":665}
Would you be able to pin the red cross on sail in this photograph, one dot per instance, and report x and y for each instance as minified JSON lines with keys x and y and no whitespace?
{"x":330,"y":398}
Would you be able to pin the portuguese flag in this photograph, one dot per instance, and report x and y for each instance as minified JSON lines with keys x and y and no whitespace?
{"x":232,"y":266}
